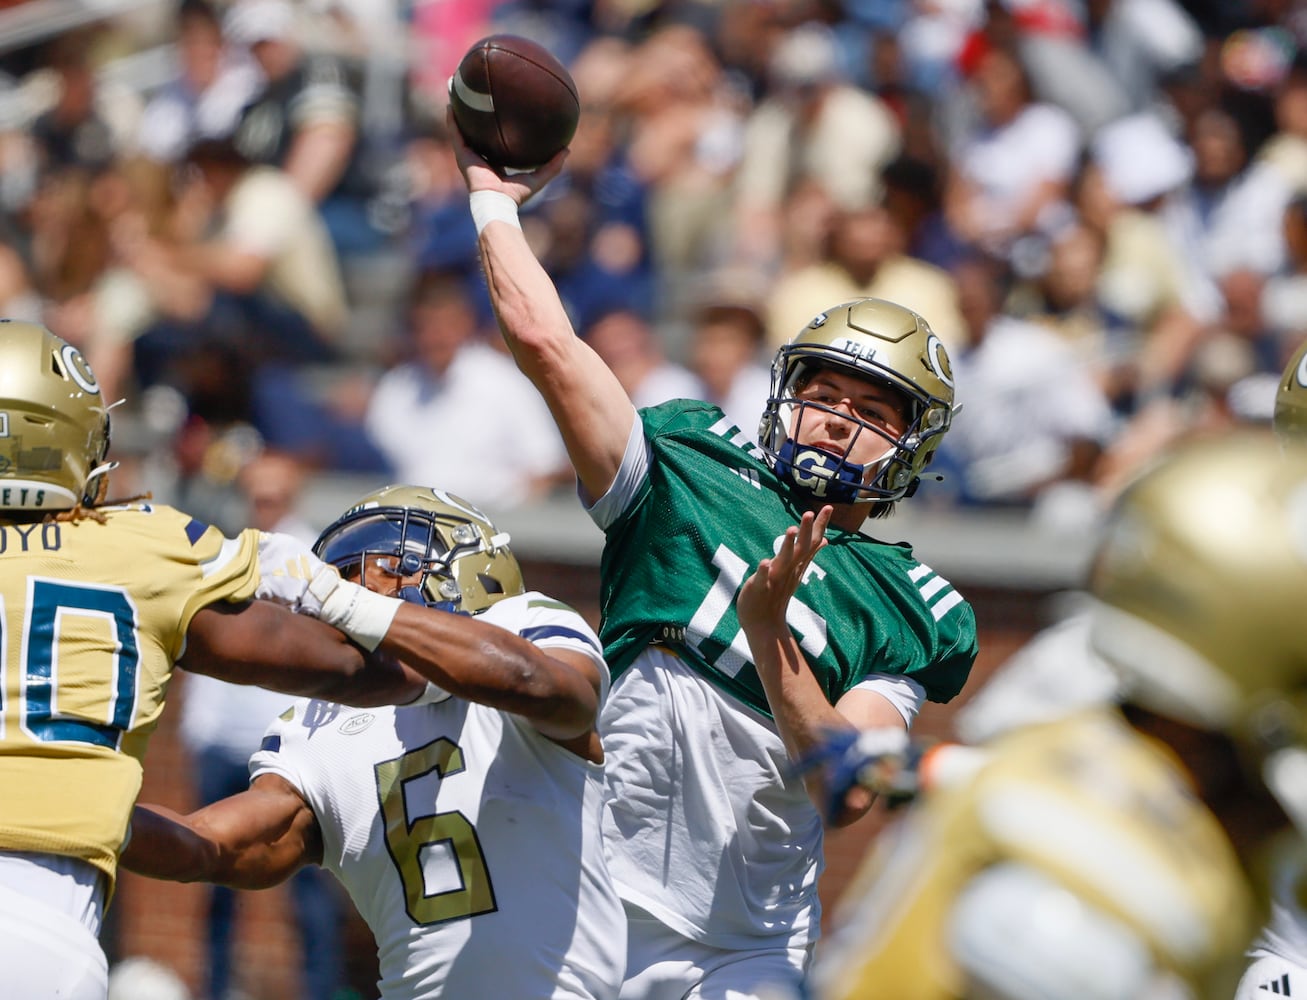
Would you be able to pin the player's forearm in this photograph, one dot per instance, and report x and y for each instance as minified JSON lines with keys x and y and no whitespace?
{"x":492,"y":666}
{"x":588,"y":403}
{"x":164,"y":846}
{"x":531,"y":316}
{"x":260,"y":643}
{"x":803,"y":716}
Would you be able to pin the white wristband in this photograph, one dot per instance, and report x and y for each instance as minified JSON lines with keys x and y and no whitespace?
{"x":362,"y":615}
{"x":491,"y":206}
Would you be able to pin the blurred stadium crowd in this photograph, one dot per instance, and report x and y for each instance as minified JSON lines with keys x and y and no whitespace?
{"x":248,"y":216}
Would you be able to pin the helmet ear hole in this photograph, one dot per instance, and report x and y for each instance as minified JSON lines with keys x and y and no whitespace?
{"x":489,"y":584}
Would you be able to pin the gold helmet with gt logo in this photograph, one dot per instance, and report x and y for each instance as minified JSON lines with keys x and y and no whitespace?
{"x":463,"y":563}
{"x":1201,"y":580}
{"x":881,"y":342}
{"x":1290,"y":416}
{"x":54,"y":426}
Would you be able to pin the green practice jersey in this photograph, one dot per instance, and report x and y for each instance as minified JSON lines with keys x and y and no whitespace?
{"x":709,"y":509}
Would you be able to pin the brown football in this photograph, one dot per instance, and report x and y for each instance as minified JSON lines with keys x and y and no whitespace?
{"x":514,"y":102}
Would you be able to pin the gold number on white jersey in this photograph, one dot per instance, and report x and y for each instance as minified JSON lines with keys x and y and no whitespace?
{"x":409,"y":840}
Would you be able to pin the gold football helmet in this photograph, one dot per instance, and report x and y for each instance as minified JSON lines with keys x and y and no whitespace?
{"x":875,"y":340}
{"x":54,"y":426}
{"x":465,"y":564}
{"x":1290,"y":417}
{"x":1202,"y":582}
{"x":1081,"y":821}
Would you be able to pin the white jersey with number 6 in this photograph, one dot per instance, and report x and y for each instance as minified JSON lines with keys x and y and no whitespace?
{"x":469,"y":842}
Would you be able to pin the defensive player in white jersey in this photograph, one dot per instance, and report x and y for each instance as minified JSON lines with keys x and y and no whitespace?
{"x":1161,"y":861}
{"x":720,"y":685}
{"x":98,"y":603}
{"x":465,"y":828}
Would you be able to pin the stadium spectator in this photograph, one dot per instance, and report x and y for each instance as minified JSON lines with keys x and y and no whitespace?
{"x":213,"y":83}
{"x":1032,"y":417}
{"x":865,"y":258}
{"x":727,"y":341}
{"x":628,"y":345}
{"x":458,"y":411}
{"x":264,"y":287}
{"x":307,"y":121}
{"x":812,"y":123}
{"x":1012,"y":164}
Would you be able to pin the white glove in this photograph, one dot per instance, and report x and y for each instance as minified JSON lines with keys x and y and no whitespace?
{"x":286,"y":568}
{"x":362,"y":615}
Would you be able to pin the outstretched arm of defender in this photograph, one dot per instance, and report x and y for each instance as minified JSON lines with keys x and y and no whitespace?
{"x":556,"y":690}
{"x":592,"y":410}
{"x":253,"y":840}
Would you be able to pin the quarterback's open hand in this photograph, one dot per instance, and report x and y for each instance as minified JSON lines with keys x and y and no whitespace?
{"x":766,"y":594}
{"x":286,"y":568}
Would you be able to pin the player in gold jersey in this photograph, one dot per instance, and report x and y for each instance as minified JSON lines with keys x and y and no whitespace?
{"x":98,"y":603}
{"x":1120,"y":854}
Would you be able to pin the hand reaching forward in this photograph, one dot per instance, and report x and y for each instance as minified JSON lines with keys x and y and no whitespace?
{"x":287,"y":567}
{"x":766,"y":594}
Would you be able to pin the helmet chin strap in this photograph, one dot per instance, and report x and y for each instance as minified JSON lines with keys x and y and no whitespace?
{"x":414,"y":595}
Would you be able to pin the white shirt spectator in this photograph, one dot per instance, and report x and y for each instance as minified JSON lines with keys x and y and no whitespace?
{"x":479,"y":430}
{"x":669,"y":381}
{"x":176,"y":116}
{"x":1006,"y":163}
{"x":1023,"y":396}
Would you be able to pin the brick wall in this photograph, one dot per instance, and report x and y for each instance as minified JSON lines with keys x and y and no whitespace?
{"x":166,"y":921}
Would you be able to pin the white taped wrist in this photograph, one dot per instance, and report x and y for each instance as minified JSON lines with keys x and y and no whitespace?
{"x":362,"y":615}
{"x":491,"y":206}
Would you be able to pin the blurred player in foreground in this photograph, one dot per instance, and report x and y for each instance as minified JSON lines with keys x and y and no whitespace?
{"x":1120,"y":854}
{"x":98,"y":603}
{"x":1279,"y":954}
{"x":465,"y":828}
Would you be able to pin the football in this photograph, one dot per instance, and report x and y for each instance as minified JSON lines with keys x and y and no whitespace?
{"x":514,"y":103}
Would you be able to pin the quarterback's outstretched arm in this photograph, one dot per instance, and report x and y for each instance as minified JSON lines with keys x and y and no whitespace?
{"x":252,"y":840}
{"x":592,"y":410}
